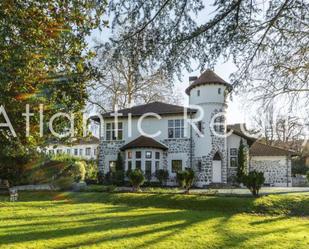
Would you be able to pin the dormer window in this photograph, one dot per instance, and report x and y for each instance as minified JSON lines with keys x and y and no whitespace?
{"x":219,"y":90}
{"x":198,"y":93}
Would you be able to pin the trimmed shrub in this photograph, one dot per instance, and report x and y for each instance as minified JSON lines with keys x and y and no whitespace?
{"x":162,"y":176}
{"x":185,"y":179}
{"x":118,"y":178}
{"x":299,"y":166}
{"x":79,"y":171}
{"x":100,"y":177}
{"x":91,"y":176}
{"x":181,"y":178}
{"x":136,"y":178}
{"x":189,"y":178}
{"x":254,"y":181}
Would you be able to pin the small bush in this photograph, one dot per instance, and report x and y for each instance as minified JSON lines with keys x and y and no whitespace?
{"x":91,"y":176}
{"x":299,"y":166}
{"x":100,"y":177}
{"x":79,"y":171}
{"x":136,"y":178}
{"x":181,"y":178}
{"x":189,"y":178}
{"x":162,"y":175}
{"x":185,"y":179}
{"x":118,"y":178}
{"x":254,"y":181}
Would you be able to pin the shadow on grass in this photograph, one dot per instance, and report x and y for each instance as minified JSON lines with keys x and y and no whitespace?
{"x":128,"y":217}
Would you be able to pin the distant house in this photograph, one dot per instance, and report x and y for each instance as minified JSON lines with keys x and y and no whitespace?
{"x":177,"y":146}
{"x":86,"y":148}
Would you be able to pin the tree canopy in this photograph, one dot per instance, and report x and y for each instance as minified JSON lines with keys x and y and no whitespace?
{"x":43,"y":60}
{"x":266,"y":40}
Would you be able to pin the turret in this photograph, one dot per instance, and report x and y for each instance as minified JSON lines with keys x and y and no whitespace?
{"x":209,"y":91}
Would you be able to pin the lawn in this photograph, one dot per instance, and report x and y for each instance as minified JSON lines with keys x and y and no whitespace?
{"x":124,"y":220}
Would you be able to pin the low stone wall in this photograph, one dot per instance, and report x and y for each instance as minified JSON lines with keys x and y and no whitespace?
{"x":34,"y":187}
{"x":277,"y":170}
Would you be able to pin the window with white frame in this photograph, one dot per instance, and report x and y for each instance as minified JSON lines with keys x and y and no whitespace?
{"x":219,"y":124}
{"x":81,"y":152}
{"x":148,"y":154}
{"x":75,"y":152}
{"x":114,"y":133}
{"x":88,"y":151}
{"x":68,"y":151}
{"x":176,"y":128}
{"x":129,"y":165}
{"x":148,"y":168}
{"x":157,"y":160}
{"x":138,"y":164}
{"x":233,"y":157}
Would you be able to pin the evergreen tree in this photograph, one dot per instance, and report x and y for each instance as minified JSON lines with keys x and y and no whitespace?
{"x":241,"y":167}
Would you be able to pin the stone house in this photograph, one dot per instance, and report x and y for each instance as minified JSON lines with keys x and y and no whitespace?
{"x":165,"y":136}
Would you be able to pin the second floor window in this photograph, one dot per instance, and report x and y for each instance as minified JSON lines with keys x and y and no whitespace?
{"x":111,"y":132}
{"x":176,"y":128}
{"x":219,"y":126}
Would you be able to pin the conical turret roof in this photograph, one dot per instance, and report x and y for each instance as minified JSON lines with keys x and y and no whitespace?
{"x":208,"y":77}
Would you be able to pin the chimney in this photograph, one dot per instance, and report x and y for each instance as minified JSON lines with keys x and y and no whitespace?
{"x":192,"y":78}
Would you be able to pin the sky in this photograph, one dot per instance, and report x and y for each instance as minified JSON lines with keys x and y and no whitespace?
{"x":235,"y":111}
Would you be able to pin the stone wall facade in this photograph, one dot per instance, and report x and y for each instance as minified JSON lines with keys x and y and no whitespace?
{"x":108,"y":149}
{"x":277,"y":171}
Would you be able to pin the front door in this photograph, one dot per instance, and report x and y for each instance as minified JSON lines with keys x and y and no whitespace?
{"x":216,"y":171}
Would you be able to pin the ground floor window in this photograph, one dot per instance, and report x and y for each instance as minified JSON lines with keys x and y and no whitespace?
{"x":129,"y":165}
{"x":176,"y":166}
{"x":233,"y":162}
{"x":233,"y":157}
{"x":138,"y":164}
{"x":75,"y":152}
{"x":157,"y":165}
{"x":88,"y":151}
{"x":148,"y":167}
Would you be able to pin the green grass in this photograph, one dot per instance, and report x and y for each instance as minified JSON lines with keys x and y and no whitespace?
{"x":109,"y":220}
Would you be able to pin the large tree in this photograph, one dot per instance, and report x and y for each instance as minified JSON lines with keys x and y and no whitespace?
{"x":125,"y":76}
{"x":267,"y":40}
{"x":43,"y":60}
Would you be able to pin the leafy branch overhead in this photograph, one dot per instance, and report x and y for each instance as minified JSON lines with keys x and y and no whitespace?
{"x":43,"y":60}
{"x":267,"y":41}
